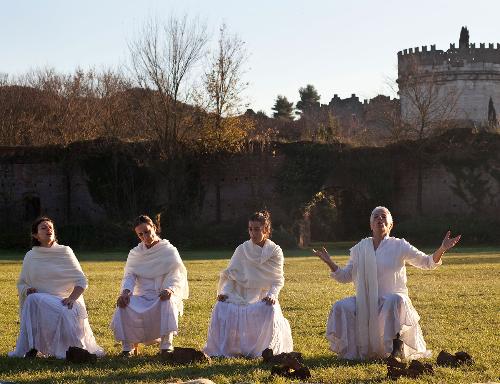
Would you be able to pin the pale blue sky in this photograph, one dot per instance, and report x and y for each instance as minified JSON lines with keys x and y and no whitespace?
{"x":340,"y":47}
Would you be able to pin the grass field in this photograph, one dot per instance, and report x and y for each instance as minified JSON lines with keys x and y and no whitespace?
{"x":458,"y":303}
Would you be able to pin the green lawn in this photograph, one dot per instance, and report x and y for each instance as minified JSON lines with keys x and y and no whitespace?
{"x":458,"y":304}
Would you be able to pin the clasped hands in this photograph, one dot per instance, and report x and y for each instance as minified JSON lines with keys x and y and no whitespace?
{"x":268,"y":300}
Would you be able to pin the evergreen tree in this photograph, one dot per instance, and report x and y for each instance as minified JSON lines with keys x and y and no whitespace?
{"x":309,"y":98}
{"x":283,"y":108}
{"x":492,"y":115}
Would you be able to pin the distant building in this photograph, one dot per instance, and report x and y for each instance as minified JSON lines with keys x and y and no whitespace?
{"x":373,"y":117}
{"x":460,"y":81}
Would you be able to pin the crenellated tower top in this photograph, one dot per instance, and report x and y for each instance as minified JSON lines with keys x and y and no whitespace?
{"x":462,"y":78}
{"x":466,"y":53}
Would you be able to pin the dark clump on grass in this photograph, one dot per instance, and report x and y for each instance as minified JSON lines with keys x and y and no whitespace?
{"x":446,"y":359}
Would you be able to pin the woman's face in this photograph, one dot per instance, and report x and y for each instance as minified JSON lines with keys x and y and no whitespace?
{"x":257,"y":232}
{"x":381,"y":222}
{"x":45,"y":234}
{"x":146,"y":234}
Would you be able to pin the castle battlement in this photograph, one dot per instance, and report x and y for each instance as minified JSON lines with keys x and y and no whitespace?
{"x":467,"y":77}
{"x":470,"y":54}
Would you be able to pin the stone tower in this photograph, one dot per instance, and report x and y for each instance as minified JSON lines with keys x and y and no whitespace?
{"x":454,"y":85}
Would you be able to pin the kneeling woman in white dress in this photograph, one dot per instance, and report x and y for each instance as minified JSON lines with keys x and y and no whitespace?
{"x":153,"y":287}
{"x":247,"y":317}
{"x":52,"y":310}
{"x":380,"y":320}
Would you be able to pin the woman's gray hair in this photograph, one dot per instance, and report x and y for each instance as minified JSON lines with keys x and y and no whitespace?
{"x":380,"y":208}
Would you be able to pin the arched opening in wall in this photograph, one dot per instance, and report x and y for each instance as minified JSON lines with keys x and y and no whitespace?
{"x":335,"y":214}
{"x":31,"y":207}
{"x":323,"y":215}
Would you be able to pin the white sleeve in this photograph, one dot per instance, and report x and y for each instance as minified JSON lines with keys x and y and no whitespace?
{"x":128,"y":282}
{"x":274,"y":291}
{"x":343,"y":275}
{"x":226,"y":287}
{"x":418,"y":258}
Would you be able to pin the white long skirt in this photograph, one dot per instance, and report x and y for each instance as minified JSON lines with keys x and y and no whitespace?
{"x":145,"y":320}
{"x":396,"y":315}
{"x":52,"y":328}
{"x":246,"y":330}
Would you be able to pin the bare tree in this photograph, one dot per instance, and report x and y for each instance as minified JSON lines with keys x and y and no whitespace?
{"x":4,"y":79}
{"x":223,"y":84}
{"x":427,"y":108}
{"x":162,"y":57}
{"x":111,"y":92}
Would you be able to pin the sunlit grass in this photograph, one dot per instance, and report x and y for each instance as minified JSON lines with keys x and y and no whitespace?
{"x":458,"y":304}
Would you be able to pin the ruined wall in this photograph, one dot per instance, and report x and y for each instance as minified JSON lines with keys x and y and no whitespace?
{"x":28,"y":190}
{"x":30,"y":186}
{"x":440,"y":197}
{"x":247,"y":183}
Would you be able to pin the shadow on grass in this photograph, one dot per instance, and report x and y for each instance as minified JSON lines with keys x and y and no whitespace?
{"x":117,"y":369}
{"x":111,"y":369}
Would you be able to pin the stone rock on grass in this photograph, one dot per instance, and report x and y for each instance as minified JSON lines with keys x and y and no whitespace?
{"x":396,"y":369}
{"x":464,"y":358}
{"x":267,"y":355}
{"x":182,"y":355}
{"x":446,"y":359}
{"x":290,"y":364}
{"x":80,"y":355}
{"x":301,"y":373}
{"x":418,"y":368}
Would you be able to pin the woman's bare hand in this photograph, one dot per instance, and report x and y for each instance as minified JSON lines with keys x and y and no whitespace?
{"x":29,"y":291}
{"x":269,"y":300}
{"x":165,"y":294}
{"x":325,"y":257}
{"x":123,"y":300}
{"x":448,"y":242}
{"x":68,"y":302}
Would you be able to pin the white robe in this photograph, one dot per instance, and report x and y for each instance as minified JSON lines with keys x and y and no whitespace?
{"x":148,"y":271}
{"x":46,"y":324}
{"x":396,"y":313}
{"x":243,"y":325}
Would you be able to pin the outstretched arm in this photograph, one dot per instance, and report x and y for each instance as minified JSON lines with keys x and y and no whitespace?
{"x":325,"y":257}
{"x":447,"y":244}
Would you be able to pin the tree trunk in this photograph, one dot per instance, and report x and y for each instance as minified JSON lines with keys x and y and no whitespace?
{"x":305,"y":230}
{"x":218,"y":205}
{"x":419,"y":206}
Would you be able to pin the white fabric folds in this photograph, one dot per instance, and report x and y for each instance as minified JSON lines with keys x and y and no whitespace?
{"x":252,"y":268}
{"x":162,"y":259}
{"x":146,"y":318}
{"x":368,"y":336}
{"x":243,"y":325}
{"x":364,"y":326}
{"x":53,"y":270}
{"x":246,"y":330}
{"x":46,"y":324}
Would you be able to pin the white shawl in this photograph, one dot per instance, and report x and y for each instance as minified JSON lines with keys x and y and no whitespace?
{"x":53,"y":270}
{"x":161,"y":259}
{"x":252,"y":266}
{"x":368,"y":336}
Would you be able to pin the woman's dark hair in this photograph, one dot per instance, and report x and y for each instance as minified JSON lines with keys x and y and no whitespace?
{"x":145,"y":219}
{"x":263,"y":217}
{"x":34,"y":230}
